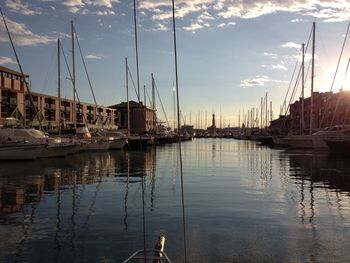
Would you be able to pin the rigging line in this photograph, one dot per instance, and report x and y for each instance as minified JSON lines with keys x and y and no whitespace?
{"x":348,"y":105}
{"x":85,"y":68}
{"x":71,"y":78}
{"x":133,"y":83}
{"x":335,"y":75}
{"x":291,"y":80}
{"x":20,"y":67}
{"x":179,"y":141}
{"x":161,"y":103}
{"x":339,"y":97}
{"x":46,"y":79}
{"x":290,"y":84}
{"x":149,"y":99}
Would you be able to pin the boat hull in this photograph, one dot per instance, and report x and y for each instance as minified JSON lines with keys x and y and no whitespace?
{"x":21,"y":151}
{"x":299,"y":141}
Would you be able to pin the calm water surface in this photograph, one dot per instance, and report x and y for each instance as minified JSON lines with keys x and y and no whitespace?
{"x":243,"y":203}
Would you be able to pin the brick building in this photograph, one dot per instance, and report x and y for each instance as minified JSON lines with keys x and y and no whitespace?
{"x":328,"y":109}
{"x":142,"y":118}
{"x":15,"y":101}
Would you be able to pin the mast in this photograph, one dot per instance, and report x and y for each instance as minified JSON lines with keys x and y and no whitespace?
{"x":137,"y":54}
{"x":127,"y":93}
{"x":59,"y":85}
{"x":302,"y":89}
{"x":144,"y":94}
{"x":74,"y":119}
{"x":153,"y":101}
{"x":261,"y":112}
{"x":312,"y":76}
{"x":266,"y":114}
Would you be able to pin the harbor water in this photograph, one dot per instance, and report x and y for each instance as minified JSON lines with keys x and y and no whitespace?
{"x":243,"y":203}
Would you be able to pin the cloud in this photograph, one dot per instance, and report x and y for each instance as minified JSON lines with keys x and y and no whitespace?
{"x":193,"y":27}
{"x":259,"y":80}
{"x":6,"y":60}
{"x":93,"y":56}
{"x":83,"y":7}
{"x":159,"y":27}
{"x":21,"y":35}
{"x":221,"y":25}
{"x":22,"y":8}
{"x":272,"y":55}
{"x":291,"y":45}
{"x":276,"y":66}
{"x":326,"y":10}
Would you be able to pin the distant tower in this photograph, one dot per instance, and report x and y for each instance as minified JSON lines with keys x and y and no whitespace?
{"x":212,"y":128}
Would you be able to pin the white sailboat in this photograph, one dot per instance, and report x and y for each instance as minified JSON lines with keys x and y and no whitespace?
{"x":305,"y":141}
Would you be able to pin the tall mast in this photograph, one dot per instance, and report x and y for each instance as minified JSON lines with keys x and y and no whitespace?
{"x":137,"y":54}
{"x":144,"y":94}
{"x":302,"y":89}
{"x":266,"y":110}
{"x":312,"y":76}
{"x":261,"y":113}
{"x":154,"y":101}
{"x":127,"y":93}
{"x":59,"y":85}
{"x":73,"y":80}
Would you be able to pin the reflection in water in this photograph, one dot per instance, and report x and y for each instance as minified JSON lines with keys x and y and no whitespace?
{"x":244,"y":203}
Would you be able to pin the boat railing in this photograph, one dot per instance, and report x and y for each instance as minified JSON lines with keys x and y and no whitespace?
{"x":148,"y":255}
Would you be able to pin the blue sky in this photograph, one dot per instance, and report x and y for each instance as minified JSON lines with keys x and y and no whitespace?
{"x":230,"y":52}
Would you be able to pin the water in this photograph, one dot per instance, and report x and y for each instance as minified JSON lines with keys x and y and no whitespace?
{"x":243,"y":203}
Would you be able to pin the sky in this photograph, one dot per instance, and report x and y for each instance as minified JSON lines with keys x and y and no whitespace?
{"x":230,"y":52}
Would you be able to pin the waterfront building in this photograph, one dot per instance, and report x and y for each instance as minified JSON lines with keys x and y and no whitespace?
{"x":329,"y":109}
{"x":15,"y":102}
{"x":142,"y":118}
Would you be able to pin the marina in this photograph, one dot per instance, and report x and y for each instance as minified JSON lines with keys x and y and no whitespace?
{"x":244,"y":202}
{"x":93,"y":168}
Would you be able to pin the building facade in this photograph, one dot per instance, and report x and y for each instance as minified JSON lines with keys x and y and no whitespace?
{"x":142,"y":118}
{"x":16,"y":102}
{"x":328,"y":109}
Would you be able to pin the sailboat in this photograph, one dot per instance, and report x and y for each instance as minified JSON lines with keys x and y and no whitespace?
{"x":304,"y":141}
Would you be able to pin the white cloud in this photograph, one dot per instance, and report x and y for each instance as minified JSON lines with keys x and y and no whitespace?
{"x":221,"y":25}
{"x":291,"y":45}
{"x":159,"y":27}
{"x":193,"y":27}
{"x":93,"y":56}
{"x":272,"y":55}
{"x":326,"y":10}
{"x":259,"y":80}
{"x":22,"y":8}
{"x":21,"y":35}
{"x":278,"y":66}
{"x":6,"y":60}
{"x":82,"y":7}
